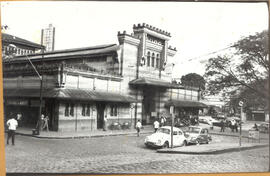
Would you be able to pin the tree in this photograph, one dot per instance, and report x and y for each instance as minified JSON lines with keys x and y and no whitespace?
{"x":246,"y":68}
{"x":193,"y":80}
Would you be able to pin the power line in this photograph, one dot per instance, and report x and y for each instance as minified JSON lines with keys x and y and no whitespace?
{"x":211,"y":53}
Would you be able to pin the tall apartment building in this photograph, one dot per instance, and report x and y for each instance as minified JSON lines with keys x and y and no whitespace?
{"x":48,"y":37}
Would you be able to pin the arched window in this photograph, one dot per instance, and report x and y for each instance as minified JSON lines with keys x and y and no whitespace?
{"x":148,"y":59}
{"x":157,"y":61}
{"x":153,"y":60}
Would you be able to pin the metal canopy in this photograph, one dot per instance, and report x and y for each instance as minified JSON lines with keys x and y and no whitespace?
{"x":186,"y":104}
{"x":71,"y":94}
{"x":154,"y":83}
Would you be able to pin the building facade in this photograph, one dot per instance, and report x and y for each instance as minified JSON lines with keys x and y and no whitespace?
{"x":124,"y":82}
{"x":22,"y":46}
{"x":48,"y":37}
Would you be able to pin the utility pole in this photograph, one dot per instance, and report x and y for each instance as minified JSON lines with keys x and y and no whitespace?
{"x":171,"y":111}
{"x":241,"y":115}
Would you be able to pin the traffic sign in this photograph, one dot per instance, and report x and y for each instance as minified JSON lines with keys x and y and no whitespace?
{"x":241,"y":103}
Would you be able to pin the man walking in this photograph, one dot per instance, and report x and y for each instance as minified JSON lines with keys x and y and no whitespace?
{"x":45,"y":123}
{"x":12,"y":125}
{"x":222,"y":125}
{"x":138,"y":127}
{"x":156,"y":125}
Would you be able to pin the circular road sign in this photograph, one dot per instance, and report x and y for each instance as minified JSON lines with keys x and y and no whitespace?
{"x":241,"y":103}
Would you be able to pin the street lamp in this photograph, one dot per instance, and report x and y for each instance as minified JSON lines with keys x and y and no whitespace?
{"x":41,"y":86}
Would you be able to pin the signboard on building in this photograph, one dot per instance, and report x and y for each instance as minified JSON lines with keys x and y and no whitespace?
{"x":17,"y":102}
{"x":153,"y":114}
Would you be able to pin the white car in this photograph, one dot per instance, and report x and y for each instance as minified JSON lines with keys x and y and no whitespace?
{"x":207,"y":119}
{"x":162,"y":138}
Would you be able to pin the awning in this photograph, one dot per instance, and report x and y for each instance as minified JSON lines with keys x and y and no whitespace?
{"x":73,"y":94}
{"x":185,"y":104}
{"x":154,"y":82}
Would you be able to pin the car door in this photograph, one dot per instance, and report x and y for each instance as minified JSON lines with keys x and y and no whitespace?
{"x":179,"y":138}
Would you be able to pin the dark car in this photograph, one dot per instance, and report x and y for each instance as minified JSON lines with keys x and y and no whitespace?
{"x":197,"y":135}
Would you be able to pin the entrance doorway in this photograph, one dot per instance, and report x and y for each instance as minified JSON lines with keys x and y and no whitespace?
{"x":100,"y":115}
{"x":148,"y":106}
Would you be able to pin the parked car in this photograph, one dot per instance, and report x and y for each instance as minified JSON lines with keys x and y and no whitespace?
{"x":162,"y":138}
{"x":208,"y":120}
{"x":197,"y":135}
{"x":264,"y":127}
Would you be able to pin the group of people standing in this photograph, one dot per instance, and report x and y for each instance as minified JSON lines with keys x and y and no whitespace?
{"x":233,"y":124}
{"x":44,"y":122}
{"x":13,"y":123}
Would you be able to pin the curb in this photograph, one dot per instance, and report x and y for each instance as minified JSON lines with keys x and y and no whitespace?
{"x":221,"y":151}
{"x":79,"y":137}
{"x":231,"y":135}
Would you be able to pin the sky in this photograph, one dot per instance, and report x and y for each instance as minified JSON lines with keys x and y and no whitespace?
{"x":197,"y":28}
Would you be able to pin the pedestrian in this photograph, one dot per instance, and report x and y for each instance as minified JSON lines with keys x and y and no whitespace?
{"x":162,"y":121}
{"x":19,"y":119}
{"x":105,"y":123}
{"x":45,"y":123}
{"x":40,"y":122}
{"x":156,"y":125}
{"x":12,"y":125}
{"x":138,"y":127}
{"x":233,"y":125}
{"x":222,"y":125}
{"x":236,"y":126}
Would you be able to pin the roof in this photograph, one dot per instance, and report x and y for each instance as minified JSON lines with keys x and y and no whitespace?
{"x":70,"y":53}
{"x":186,"y":104}
{"x":153,"y":82}
{"x":17,"y":40}
{"x":71,"y":94}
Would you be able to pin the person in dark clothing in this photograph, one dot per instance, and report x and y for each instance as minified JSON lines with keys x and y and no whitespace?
{"x":236,"y":126}
{"x":222,"y":126}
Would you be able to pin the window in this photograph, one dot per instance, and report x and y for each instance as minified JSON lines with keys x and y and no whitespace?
{"x":67,"y":110}
{"x":153,"y":60}
{"x":71,"y":112}
{"x":88,"y":110}
{"x":83,"y":109}
{"x":157,"y":61}
{"x":113,"y":111}
{"x":148,"y":59}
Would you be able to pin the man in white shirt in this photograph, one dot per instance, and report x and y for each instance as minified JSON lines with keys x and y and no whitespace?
{"x":12,"y":125}
{"x":138,"y":127}
{"x":156,"y":125}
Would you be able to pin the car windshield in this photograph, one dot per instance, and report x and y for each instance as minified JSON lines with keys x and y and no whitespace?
{"x":193,"y":130}
{"x":164,"y":130}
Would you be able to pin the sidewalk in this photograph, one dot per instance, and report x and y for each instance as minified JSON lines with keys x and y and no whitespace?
{"x":148,"y":129}
{"x":82,"y":134}
{"x":213,"y":148}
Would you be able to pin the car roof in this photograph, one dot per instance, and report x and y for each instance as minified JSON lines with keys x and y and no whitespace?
{"x":169,"y":127}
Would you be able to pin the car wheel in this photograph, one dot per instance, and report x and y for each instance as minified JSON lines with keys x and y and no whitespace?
{"x":166,"y":144}
{"x":197,"y":143}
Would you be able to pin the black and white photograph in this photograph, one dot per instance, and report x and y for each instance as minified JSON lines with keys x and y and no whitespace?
{"x":135,"y":87}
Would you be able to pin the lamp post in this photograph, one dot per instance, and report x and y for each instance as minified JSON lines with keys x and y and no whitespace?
{"x":40,"y":89}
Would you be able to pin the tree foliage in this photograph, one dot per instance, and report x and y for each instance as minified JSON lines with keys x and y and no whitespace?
{"x":244,"y":68}
{"x":193,"y":80}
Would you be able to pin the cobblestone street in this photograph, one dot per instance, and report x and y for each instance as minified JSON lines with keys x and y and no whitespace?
{"x":123,"y":154}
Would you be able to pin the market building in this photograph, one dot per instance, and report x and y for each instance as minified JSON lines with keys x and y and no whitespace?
{"x":124,"y":82}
